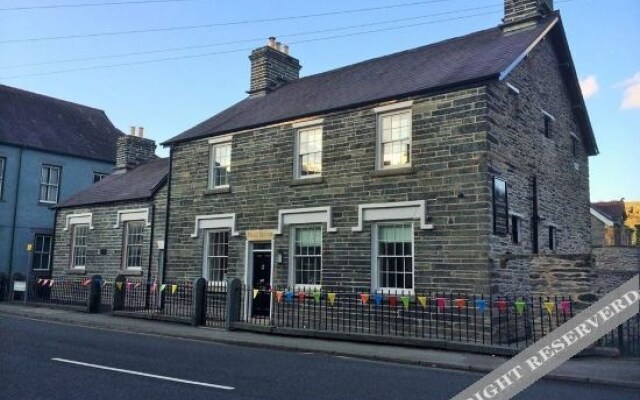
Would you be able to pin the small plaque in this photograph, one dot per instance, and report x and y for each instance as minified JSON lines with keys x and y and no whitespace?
{"x":19,"y":286}
{"x":260,"y":235}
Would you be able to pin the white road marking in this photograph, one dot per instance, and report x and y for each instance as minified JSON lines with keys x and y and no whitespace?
{"x":126,"y":371}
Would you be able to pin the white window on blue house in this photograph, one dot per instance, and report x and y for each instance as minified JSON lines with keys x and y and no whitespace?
{"x":220,"y":165}
{"x":393,"y":260}
{"x":2,"y":163}
{"x":308,"y":157}
{"x":79,"y":246}
{"x":49,"y":184}
{"x":134,"y":238}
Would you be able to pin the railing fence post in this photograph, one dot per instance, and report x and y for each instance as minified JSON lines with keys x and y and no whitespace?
{"x":621,"y":338}
{"x":119,"y":292}
{"x":199,"y":302}
{"x":234,"y":301}
{"x":95,"y":294}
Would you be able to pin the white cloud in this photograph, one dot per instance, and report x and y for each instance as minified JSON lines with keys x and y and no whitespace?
{"x":631,"y":87}
{"x":589,"y":86}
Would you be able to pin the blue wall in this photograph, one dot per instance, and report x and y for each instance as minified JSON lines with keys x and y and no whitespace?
{"x":33,"y":217}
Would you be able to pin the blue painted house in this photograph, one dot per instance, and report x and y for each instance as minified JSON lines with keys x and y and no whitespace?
{"x":50,"y":149}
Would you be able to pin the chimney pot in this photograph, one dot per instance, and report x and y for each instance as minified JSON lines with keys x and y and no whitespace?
{"x":141,"y":132}
{"x":132,"y":131}
{"x":285,"y":49}
{"x":271,"y":69}
{"x":272,"y":42}
{"x":279,"y":46}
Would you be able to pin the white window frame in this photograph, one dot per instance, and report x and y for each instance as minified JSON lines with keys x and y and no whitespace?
{"x":3,"y":163}
{"x":41,"y":254}
{"x":297,"y":166}
{"x":74,"y":247}
{"x":49,"y":185}
{"x":375,"y":272}
{"x":205,"y":255}
{"x":383,"y":113}
{"x":213,"y":144}
{"x":293,"y":256}
{"x":127,"y":245}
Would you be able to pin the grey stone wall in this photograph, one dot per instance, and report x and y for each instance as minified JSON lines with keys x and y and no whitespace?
{"x":518,"y":10}
{"x":520,"y":150}
{"x":132,"y":151}
{"x":104,"y":236}
{"x":448,"y":151}
{"x":271,"y":68}
{"x":615,"y":265}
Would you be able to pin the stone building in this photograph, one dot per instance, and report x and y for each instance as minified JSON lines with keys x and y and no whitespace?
{"x":608,"y":224}
{"x":410,"y":172}
{"x":116,"y":226}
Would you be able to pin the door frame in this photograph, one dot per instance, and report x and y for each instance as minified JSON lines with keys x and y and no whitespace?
{"x":248,"y":274}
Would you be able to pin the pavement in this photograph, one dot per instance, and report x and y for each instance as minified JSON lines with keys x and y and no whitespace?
{"x":596,"y":369}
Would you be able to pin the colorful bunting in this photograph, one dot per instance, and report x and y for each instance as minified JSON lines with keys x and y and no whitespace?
{"x":378,"y":298}
{"x":279,"y":296}
{"x":301,"y":296}
{"x":520,"y":306}
{"x":481,"y":304}
{"x":393,"y":301}
{"x":174,"y":289}
{"x":119,"y":286}
{"x":129,"y":285}
{"x":255,"y":293}
{"x":459,"y":303}
{"x":86,"y":282}
{"x":423,"y":301}
{"x":440,"y":303}
{"x":40,"y":280}
{"x":154,"y":287}
{"x":331,"y":297}
{"x":364,"y":298}
{"x":549,"y":306}
{"x":316,"y":296}
{"x":405,"y":301}
{"x":566,"y":306}
{"x":288,"y":296}
{"x":137,"y":285}
{"x":51,"y":282}
{"x":104,"y":283}
{"x":502,"y":305}
{"x":162,"y":287}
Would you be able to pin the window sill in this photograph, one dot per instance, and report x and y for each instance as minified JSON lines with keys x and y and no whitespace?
{"x":132,"y":272}
{"x":46,"y":203}
{"x":76,"y":271}
{"x":218,"y":190}
{"x":307,"y":181}
{"x":393,"y":171}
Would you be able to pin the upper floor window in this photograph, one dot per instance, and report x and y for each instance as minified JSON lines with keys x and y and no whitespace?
{"x":393,"y":262}
{"x":220,"y":167}
{"x":134,"y":238}
{"x":574,"y":146}
{"x":307,"y":255}
{"x":308,"y":157}
{"x":552,"y":238}
{"x":2,"y":163}
{"x":42,"y":253}
{"x":98,"y":176}
{"x":394,"y":139}
{"x":79,"y":246}
{"x":500,"y":207}
{"x":548,"y":123}
{"x":516,"y":221}
{"x":216,"y":255}
{"x":49,"y":184}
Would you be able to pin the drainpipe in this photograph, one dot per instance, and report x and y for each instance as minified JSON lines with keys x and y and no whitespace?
{"x":15,"y":216}
{"x":153,"y":228}
{"x":166,"y":216}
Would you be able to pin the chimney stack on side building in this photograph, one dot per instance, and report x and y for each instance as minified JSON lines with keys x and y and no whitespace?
{"x":522,"y":14}
{"x":133,"y":150}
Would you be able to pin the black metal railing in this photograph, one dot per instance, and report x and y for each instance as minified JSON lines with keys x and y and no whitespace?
{"x":216,"y":304}
{"x":171,"y":299}
{"x":625,"y":337}
{"x":67,"y":291}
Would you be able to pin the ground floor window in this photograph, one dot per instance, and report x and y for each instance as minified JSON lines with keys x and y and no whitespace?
{"x":79,"y":246}
{"x":307,"y":255}
{"x":42,"y":253}
{"x":133,"y":241}
{"x":393,"y":249}
{"x":216,"y":255}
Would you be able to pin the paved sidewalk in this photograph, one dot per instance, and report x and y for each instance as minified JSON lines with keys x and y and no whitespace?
{"x":601,"y":370}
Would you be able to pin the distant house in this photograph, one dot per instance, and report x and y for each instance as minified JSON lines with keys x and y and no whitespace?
{"x":49,"y":150}
{"x":633,"y":220}
{"x":608,"y":224}
{"x":410,"y":172}
{"x":117,"y":225}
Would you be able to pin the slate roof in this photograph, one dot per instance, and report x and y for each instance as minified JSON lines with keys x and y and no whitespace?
{"x":139,"y":183}
{"x":475,"y":57}
{"x":49,"y":124}
{"x":614,"y":210}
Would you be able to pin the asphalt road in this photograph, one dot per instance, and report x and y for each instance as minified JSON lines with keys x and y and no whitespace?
{"x":43,"y":360}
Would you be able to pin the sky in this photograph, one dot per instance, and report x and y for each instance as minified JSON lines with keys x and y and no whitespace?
{"x":192,"y":61}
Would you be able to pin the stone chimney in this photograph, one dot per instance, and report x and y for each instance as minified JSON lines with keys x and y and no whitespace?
{"x":521,"y":14}
{"x":272,"y":66}
{"x":132,"y":150}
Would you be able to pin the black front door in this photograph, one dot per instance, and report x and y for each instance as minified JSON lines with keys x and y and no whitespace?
{"x":261,"y":283}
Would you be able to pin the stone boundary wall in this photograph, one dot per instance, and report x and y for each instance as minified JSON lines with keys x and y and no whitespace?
{"x":615,"y":265}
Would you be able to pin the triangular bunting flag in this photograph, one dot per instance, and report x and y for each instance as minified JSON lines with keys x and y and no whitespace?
{"x":86,"y":282}
{"x":502,"y":305}
{"x":440,"y":302}
{"x":520,"y":304}
{"x":119,"y":286}
{"x":316,"y":296}
{"x":154,"y":287}
{"x":364,"y":298}
{"x":459,"y":303}
{"x":549,"y":306}
{"x":566,"y":306}
{"x":288,"y":296}
{"x":331,"y":297}
{"x":104,"y":283}
{"x":279,"y":296}
{"x":137,"y":285}
{"x":405,"y":301}
{"x":174,"y":289}
{"x":40,"y":280}
{"x":51,"y":282}
{"x":481,"y":304}
{"x":378,"y":298}
{"x":423,"y":301}
{"x":163,"y":287}
{"x":301,"y":296}
{"x":129,"y":285}
{"x":393,"y":301}
{"x":255,"y":293}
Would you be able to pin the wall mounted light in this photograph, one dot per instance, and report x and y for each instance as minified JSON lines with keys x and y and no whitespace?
{"x":279,"y":257}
